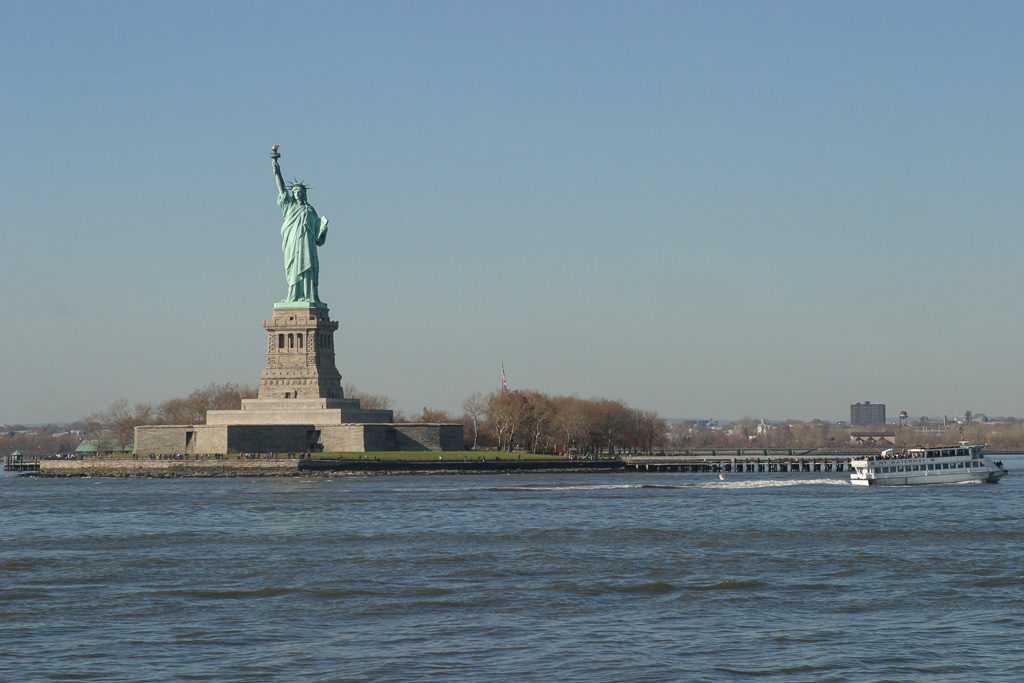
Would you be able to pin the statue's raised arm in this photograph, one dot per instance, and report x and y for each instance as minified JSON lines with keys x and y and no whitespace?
{"x":274,"y":156}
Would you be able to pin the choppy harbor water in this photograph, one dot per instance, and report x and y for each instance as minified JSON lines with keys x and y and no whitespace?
{"x":596,"y":577}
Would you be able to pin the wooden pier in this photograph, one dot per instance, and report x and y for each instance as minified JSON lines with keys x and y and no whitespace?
{"x":20,"y":463}
{"x":742,"y":462}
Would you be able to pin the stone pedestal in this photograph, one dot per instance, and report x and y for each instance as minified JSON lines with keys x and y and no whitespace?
{"x":300,"y":406}
{"x":266,"y":411}
{"x":301,"y":384}
{"x":300,"y":355}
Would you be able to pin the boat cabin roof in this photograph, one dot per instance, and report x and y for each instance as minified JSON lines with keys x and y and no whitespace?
{"x":929,"y":452}
{"x":944,"y":451}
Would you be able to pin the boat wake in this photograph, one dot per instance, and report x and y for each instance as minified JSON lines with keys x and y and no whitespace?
{"x":770,"y":483}
{"x":726,"y":484}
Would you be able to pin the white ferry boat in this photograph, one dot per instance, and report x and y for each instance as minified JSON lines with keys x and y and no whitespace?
{"x":933,"y":465}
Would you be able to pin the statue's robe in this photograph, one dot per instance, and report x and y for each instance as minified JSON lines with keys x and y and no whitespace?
{"x":300,"y":235}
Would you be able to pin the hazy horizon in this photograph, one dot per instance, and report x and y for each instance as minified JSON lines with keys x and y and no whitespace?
{"x":765,"y":209}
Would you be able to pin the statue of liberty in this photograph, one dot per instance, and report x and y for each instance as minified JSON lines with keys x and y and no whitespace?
{"x":301,"y":233}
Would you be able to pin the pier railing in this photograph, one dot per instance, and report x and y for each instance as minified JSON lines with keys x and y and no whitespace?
{"x":21,"y":463}
{"x":741,"y":462}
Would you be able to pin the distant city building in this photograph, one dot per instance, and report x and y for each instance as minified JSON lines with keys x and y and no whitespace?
{"x":867,"y":413}
{"x":872,"y":438}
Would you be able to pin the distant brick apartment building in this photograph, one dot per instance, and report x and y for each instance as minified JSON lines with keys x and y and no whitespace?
{"x":867,"y":413}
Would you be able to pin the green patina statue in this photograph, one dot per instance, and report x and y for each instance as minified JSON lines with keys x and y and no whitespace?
{"x":301,"y":233}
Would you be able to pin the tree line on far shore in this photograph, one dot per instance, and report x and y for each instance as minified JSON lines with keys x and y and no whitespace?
{"x":531,"y":421}
{"x":501,"y":420}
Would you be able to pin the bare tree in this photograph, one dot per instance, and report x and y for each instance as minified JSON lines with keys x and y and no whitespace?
{"x":433,"y":415}
{"x":177,"y":411}
{"x":506,"y":410}
{"x":612,"y":422}
{"x":474,"y":408}
{"x":652,"y":432}
{"x":192,"y":409}
{"x":537,"y":419}
{"x":120,"y":420}
{"x":569,"y":420}
{"x":367,"y":401}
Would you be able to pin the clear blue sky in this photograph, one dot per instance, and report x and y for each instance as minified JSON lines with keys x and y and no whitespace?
{"x":708,"y":209}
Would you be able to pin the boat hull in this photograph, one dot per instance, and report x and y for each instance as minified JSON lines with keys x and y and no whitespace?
{"x":923,"y":479}
{"x":962,"y":464}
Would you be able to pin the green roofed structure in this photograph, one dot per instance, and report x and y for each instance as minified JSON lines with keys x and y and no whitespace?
{"x":99,"y":446}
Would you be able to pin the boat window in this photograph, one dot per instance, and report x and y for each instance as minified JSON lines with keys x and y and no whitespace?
{"x":931,"y":466}
{"x":945,"y":465}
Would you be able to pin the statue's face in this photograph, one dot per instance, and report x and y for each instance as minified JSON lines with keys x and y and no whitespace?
{"x":299,"y":193}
